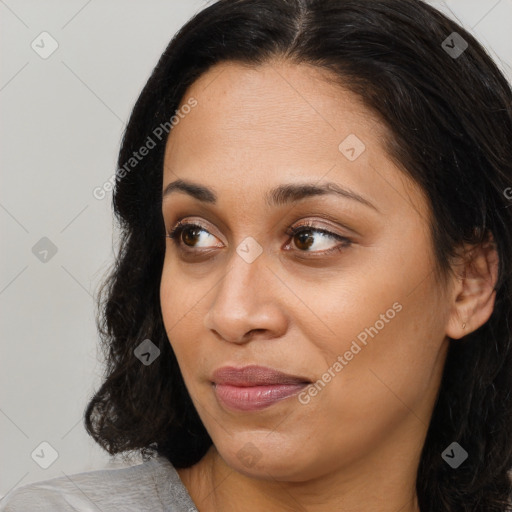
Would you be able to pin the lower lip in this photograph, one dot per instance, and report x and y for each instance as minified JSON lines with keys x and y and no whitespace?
{"x":254,"y":398}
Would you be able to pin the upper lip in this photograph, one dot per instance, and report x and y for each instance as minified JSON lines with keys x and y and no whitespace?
{"x":254,"y":375}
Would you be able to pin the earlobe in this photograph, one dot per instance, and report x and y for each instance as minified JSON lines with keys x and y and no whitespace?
{"x":473,"y":296}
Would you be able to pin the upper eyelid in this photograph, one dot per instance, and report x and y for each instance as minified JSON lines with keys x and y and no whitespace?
{"x":181,"y":224}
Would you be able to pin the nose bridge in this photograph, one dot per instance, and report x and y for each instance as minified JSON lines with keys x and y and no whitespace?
{"x":240,"y":288}
{"x":244,"y":300}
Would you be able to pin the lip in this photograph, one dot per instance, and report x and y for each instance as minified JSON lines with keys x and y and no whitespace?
{"x":254,"y":375}
{"x":254,"y":387}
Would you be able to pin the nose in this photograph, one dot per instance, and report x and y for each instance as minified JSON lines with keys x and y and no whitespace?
{"x":247,"y":302}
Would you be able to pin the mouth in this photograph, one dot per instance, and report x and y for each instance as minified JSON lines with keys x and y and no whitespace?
{"x":254,"y":375}
{"x":254,"y":387}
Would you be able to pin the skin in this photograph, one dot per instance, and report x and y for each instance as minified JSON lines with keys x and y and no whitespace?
{"x":356,"y":445}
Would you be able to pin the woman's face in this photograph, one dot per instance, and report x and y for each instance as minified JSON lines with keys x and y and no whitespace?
{"x":358,"y":313}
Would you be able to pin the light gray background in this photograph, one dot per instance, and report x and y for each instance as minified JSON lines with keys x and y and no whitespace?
{"x":62,"y":120}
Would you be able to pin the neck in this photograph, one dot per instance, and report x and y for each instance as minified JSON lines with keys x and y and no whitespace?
{"x":390,"y":486}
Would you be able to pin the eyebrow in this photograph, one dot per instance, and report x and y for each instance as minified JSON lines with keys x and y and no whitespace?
{"x":281,"y":195}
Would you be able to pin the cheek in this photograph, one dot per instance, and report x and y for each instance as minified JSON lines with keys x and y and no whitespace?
{"x":168,"y":303}
{"x":385,"y":321}
{"x":174,"y":307}
{"x":378,"y":385}
{"x":179,"y":294}
{"x":182,"y":316}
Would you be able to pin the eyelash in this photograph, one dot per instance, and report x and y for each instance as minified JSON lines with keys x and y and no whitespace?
{"x":175,"y":233}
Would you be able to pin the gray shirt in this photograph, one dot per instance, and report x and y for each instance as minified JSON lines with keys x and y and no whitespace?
{"x":152,"y":486}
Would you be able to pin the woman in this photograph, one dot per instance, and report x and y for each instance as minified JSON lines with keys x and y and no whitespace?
{"x":311,"y":305}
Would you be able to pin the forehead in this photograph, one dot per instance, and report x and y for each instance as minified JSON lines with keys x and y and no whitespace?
{"x":271,"y":105}
{"x":256,"y":127}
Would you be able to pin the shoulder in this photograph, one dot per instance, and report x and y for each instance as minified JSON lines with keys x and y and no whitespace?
{"x":152,"y":486}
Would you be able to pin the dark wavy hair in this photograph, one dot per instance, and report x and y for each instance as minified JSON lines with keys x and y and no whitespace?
{"x":450,"y":124}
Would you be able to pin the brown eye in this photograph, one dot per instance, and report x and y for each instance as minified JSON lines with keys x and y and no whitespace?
{"x":188,"y":235}
{"x":305,"y":240}
{"x":307,"y":235}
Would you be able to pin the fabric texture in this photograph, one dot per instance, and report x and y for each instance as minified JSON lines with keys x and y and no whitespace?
{"x":151,"y":486}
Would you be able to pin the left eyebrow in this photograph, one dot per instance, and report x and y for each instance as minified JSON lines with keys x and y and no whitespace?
{"x":281,"y":195}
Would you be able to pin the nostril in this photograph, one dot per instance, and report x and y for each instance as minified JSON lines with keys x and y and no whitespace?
{"x":255,"y":330}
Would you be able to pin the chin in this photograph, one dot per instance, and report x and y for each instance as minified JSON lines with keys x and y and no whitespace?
{"x":261,"y":458}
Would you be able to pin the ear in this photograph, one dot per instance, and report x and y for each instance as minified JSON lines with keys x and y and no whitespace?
{"x":473,"y":295}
